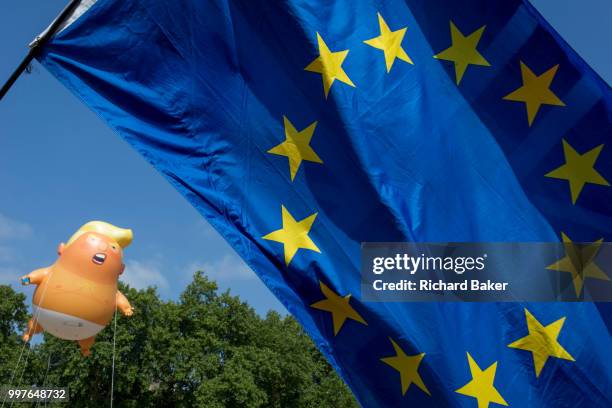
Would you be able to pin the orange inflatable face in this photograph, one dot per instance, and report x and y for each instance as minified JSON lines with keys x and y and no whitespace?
{"x":93,"y":256}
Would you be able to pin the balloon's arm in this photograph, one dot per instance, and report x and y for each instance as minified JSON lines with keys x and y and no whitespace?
{"x":36,"y":277}
{"x":124,"y":305}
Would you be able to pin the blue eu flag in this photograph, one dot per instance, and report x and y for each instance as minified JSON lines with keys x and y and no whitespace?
{"x":301,"y":129}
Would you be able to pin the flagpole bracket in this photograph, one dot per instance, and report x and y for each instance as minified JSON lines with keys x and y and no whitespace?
{"x":38,"y":42}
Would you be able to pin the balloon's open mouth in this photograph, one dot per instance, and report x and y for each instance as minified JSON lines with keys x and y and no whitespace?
{"x":99,"y":259}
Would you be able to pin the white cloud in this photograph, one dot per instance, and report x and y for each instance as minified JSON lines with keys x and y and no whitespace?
{"x":139,"y":275}
{"x":6,"y":254}
{"x":13,"y":229}
{"x":230,"y":267}
{"x":10,"y":276}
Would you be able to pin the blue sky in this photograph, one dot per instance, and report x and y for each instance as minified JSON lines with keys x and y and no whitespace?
{"x":60,"y":166}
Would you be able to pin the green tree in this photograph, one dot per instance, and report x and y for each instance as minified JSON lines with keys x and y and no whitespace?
{"x":206,"y":349}
{"x":13,"y":316}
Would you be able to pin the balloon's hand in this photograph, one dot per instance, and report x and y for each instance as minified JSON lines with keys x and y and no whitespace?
{"x":25,"y":280}
{"x":128,"y":312}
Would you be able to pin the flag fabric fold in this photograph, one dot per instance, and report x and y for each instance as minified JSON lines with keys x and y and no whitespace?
{"x":300,"y":129}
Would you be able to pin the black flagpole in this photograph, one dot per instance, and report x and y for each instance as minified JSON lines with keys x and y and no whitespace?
{"x":38,"y":42}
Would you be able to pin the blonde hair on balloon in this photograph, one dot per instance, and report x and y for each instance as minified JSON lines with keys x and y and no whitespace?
{"x":122,"y":236}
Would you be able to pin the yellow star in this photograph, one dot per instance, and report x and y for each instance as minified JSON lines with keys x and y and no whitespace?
{"x":390,"y":42}
{"x":293,"y":235}
{"x":338,"y":306}
{"x":296,"y":146}
{"x":481,"y":387}
{"x":408,"y":367}
{"x":463,"y":51}
{"x":542,"y":342}
{"x":329,"y":65}
{"x":579,"y":263}
{"x":579,"y":169}
{"x":535,"y":91}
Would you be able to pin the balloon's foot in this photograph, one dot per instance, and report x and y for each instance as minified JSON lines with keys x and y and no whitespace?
{"x":86,"y":344}
{"x":25,"y":337}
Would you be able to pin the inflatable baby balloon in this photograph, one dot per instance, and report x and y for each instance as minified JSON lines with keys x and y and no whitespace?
{"x":77,"y":296}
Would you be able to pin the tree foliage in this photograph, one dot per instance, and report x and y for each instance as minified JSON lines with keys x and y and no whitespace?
{"x":207,"y":349}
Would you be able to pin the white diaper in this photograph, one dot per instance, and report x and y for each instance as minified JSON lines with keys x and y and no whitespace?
{"x":65,"y":326}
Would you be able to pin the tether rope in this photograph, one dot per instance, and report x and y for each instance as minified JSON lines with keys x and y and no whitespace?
{"x":45,"y":379}
{"x":113,"y":369}
{"x":25,"y":343}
